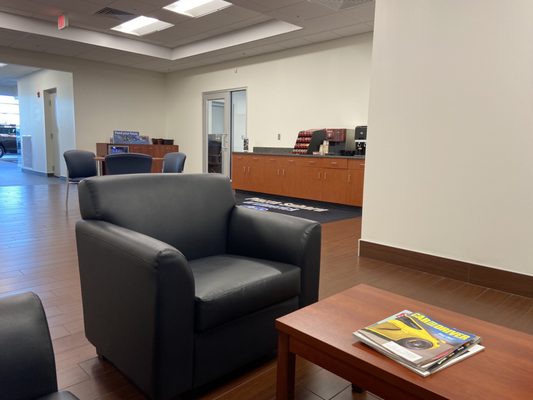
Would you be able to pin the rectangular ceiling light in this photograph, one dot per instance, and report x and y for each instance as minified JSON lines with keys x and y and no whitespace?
{"x":3,"y":65}
{"x":141,"y":26}
{"x":197,"y":8}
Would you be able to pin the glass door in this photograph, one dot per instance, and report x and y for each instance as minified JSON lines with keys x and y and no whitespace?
{"x":224,"y":128}
{"x":217,"y":132}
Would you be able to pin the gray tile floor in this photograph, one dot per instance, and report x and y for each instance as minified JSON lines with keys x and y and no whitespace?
{"x":11,"y":174}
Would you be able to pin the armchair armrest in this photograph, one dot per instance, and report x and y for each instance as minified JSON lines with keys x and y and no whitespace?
{"x":27,"y":368}
{"x":280,"y":238}
{"x":138,"y":305}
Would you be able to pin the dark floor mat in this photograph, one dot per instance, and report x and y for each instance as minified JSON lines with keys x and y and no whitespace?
{"x":315,"y":210}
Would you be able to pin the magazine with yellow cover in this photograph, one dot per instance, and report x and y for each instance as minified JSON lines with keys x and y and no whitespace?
{"x":416,"y":339}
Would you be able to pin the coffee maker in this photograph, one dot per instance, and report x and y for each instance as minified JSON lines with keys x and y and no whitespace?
{"x":360,"y":140}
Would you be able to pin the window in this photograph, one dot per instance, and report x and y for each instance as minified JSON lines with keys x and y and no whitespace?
{"x":9,"y":111}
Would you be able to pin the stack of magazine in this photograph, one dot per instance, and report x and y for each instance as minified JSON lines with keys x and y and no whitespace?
{"x":418,"y":342}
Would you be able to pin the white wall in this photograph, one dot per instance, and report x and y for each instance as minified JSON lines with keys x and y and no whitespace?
{"x":106,"y":97}
{"x":449,"y":168}
{"x":111,"y":98}
{"x":317,"y":86}
{"x":32,"y":122}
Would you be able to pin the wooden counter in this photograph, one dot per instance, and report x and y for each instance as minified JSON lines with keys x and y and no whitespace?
{"x":157,"y":151}
{"x":323,"y":178}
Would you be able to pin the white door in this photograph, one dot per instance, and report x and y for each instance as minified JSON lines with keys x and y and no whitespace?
{"x":239,"y":136}
{"x":217,"y":141}
{"x":53,"y":159}
{"x":224,"y":128}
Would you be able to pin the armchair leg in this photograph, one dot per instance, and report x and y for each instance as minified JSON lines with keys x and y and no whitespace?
{"x":66,"y":200}
{"x":357,"y":389}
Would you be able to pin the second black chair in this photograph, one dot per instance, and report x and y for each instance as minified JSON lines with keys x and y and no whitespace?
{"x":174,"y":162}
{"x":127,"y":163}
{"x":80,"y":165}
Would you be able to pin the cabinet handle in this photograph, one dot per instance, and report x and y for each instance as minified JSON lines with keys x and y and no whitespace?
{"x":333,"y":162}
{"x":283,"y":171}
{"x":325,"y":175}
{"x":277,"y":171}
{"x":248,"y":169}
{"x":319,"y":175}
{"x":244,"y":170}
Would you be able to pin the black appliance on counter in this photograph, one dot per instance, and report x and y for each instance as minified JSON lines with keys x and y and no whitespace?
{"x":356,"y":142}
{"x":360,"y":140}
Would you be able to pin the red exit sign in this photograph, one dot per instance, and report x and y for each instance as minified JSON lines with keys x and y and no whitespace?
{"x":62,"y":22}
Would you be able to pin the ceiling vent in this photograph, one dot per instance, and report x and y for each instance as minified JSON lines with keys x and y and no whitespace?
{"x":339,"y":4}
{"x":114,"y":13}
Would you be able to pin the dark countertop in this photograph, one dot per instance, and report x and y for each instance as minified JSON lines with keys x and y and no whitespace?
{"x":298,"y":155}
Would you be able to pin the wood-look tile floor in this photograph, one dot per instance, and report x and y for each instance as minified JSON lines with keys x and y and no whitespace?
{"x":39,"y":254}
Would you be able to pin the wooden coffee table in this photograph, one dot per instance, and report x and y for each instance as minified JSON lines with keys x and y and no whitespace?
{"x":322,"y":334}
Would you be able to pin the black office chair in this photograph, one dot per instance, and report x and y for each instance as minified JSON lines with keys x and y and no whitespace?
{"x":174,"y":162}
{"x":128,"y":163}
{"x":214,"y":156}
{"x":27,"y":366}
{"x":80,"y":165}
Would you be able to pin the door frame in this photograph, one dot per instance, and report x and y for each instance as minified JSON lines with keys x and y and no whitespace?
{"x":53,"y":156}
{"x":213,"y":95}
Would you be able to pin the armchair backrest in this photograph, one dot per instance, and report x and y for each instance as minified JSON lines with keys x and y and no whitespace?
{"x":174,"y":162}
{"x":188,"y":211}
{"x":27,"y":367}
{"x":128,"y":163}
{"x":80,"y":164}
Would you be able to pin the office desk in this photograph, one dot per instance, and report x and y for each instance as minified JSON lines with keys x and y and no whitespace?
{"x":157,"y":151}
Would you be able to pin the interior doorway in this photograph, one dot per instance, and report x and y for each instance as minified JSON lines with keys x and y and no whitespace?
{"x":53,"y":160}
{"x":224,"y":128}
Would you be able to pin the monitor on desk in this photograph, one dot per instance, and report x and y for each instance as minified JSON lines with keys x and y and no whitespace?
{"x":112,"y":149}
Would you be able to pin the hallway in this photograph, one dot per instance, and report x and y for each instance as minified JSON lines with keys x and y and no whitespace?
{"x":11,"y":174}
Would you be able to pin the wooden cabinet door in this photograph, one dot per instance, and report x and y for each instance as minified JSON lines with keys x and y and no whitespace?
{"x":291,"y":184}
{"x":311,"y":178}
{"x":238,"y":173}
{"x":334,"y":185}
{"x":254,"y":174}
{"x":355,"y":182}
{"x":272,"y":178}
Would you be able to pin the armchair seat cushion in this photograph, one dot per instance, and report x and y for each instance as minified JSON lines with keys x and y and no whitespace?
{"x":230,"y":286}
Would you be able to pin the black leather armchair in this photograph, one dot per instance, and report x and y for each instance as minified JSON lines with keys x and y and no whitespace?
{"x":179,"y":285}
{"x":27,"y":366}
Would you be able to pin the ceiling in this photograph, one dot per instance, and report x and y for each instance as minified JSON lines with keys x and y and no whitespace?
{"x":238,"y":31}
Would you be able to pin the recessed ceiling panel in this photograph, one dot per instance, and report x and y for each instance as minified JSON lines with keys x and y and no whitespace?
{"x":90,"y":34}
{"x":135,"y":7}
{"x":353,"y":30}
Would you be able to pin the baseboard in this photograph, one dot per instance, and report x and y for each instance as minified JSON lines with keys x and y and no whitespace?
{"x":34,"y":172}
{"x":45,"y":174}
{"x":494,"y":278}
